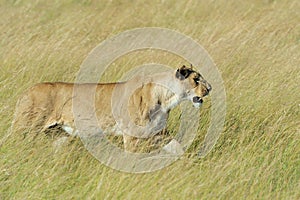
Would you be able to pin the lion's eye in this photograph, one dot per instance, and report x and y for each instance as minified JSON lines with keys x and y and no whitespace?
{"x":197,"y":80}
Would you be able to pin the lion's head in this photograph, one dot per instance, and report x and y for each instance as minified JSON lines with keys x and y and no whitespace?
{"x":196,"y":87}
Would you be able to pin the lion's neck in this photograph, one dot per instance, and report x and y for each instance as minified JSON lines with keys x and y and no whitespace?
{"x":172,"y":102}
{"x":168,"y":90}
{"x":168,"y":99}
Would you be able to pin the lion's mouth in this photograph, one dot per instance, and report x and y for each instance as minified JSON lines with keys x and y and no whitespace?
{"x":197,"y":99}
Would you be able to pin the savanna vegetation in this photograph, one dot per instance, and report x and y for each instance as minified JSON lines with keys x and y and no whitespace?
{"x":256,"y":47}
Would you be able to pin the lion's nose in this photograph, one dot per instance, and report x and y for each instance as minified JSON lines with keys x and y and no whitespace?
{"x":197,"y":99}
{"x":208,"y":86}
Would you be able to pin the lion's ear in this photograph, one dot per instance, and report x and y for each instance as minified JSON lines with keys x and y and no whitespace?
{"x":183,"y":72}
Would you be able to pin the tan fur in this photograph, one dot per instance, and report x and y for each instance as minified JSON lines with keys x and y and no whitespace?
{"x":50,"y":104}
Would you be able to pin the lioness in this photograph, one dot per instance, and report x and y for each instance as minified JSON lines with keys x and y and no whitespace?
{"x":50,"y":104}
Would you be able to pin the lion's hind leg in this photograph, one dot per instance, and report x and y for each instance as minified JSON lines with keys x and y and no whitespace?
{"x":28,"y":116}
{"x":21,"y":121}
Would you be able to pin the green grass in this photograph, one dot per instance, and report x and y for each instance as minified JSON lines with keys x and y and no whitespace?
{"x":255,"y":45}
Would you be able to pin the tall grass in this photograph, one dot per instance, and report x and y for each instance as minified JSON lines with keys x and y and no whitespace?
{"x":255,"y":45}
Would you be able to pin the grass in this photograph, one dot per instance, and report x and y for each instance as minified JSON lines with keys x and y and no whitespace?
{"x":255,"y":45}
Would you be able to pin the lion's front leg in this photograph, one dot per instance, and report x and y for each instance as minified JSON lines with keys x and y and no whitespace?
{"x":137,"y":145}
{"x":131,"y":143}
{"x":143,"y":145}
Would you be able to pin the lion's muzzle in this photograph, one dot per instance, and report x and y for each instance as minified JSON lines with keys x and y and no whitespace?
{"x":197,"y":99}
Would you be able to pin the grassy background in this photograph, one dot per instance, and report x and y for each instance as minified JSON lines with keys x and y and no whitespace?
{"x":255,"y":45}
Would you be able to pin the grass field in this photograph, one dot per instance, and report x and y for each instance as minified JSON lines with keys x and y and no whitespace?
{"x":256,"y":46}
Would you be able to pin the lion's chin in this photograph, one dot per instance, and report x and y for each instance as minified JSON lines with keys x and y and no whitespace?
{"x":197,"y":105}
